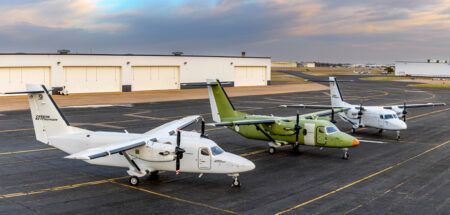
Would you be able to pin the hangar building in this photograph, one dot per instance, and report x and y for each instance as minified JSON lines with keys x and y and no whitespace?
{"x":430,"y":68}
{"x":90,"y":73}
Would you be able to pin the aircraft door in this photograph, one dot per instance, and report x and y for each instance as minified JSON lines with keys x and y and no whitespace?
{"x":321,"y":137}
{"x":204,"y":159}
{"x":309,"y":134}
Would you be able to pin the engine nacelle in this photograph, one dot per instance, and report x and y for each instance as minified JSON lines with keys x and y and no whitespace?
{"x":156,"y":151}
{"x":398,"y":111}
{"x":352,"y":113}
{"x":279,"y":128}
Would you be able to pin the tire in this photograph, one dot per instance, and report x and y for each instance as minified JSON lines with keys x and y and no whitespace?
{"x":272,"y":150}
{"x":236,"y":183}
{"x":296,"y":148}
{"x":134,"y":181}
{"x":346,"y":156}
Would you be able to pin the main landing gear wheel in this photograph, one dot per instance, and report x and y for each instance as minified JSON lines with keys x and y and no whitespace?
{"x":346,"y":156}
{"x":296,"y":148}
{"x":272,"y":150}
{"x":398,"y":135}
{"x":236,"y":183}
{"x":134,"y":181}
{"x":153,"y":175}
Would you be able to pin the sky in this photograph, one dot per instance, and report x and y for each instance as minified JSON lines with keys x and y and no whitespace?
{"x":346,"y":31}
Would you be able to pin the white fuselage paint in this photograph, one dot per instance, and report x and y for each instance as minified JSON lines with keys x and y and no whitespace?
{"x":371,"y":117}
{"x":148,"y":157}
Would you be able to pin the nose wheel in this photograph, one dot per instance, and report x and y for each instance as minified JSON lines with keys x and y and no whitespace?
{"x":346,"y":155}
{"x":134,"y":181}
{"x":236,"y":182}
{"x":272,"y":150}
{"x":398,"y":136}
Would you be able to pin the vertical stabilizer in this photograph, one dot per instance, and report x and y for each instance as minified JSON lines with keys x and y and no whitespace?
{"x":47,"y":118}
{"x":335,"y":94}
{"x":221,"y":107}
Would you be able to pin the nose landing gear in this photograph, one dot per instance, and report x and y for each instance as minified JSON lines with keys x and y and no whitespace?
{"x":346,"y":155}
{"x":236,"y":182}
{"x":398,"y":136}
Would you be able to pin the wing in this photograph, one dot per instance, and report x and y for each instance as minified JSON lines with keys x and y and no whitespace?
{"x":244,"y":122}
{"x":106,"y":150}
{"x":415,"y":105}
{"x":308,"y":106}
{"x":323,"y":113}
{"x":170,"y":128}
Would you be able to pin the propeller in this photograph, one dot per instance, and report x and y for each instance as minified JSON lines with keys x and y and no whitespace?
{"x":178,"y":152}
{"x":203,"y":129}
{"x":404,"y":111}
{"x":332,"y":115}
{"x":360,"y":113}
{"x":297,"y":128}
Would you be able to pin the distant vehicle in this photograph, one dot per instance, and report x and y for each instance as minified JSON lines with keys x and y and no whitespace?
{"x":380,"y":117}
{"x":307,"y":129}
{"x":165,"y":148}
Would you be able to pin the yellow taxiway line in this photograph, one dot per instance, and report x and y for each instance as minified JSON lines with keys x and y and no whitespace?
{"x":173,"y":198}
{"x":26,"y":151}
{"x":361,"y":179}
{"x":66,"y":187}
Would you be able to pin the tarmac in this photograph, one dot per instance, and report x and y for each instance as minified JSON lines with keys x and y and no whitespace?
{"x":383,"y":176}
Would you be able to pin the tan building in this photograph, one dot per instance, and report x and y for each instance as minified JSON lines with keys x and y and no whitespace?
{"x":284,"y":64}
{"x":89,"y":73}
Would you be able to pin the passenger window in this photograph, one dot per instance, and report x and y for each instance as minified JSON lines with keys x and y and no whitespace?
{"x":381,"y":116}
{"x":205,"y":152}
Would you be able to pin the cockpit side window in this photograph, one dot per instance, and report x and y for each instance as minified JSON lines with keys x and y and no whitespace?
{"x":205,"y":152}
{"x":381,"y":117}
{"x":388,"y":116}
{"x":321,"y":130}
{"x":216,"y":150}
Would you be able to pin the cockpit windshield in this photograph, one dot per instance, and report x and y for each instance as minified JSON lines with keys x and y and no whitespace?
{"x":216,"y":150}
{"x":389,"y":116}
{"x":331,"y":129}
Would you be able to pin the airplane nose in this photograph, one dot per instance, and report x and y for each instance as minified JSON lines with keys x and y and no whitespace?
{"x":355,"y":142}
{"x":403,"y":125}
{"x":248,"y":166}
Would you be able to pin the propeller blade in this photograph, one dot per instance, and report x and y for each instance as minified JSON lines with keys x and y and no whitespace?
{"x":178,"y":138}
{"x":404,"y":112}
{"x":203,"y":128}
{"x":297,"y":127}
{"x":360,"y":113}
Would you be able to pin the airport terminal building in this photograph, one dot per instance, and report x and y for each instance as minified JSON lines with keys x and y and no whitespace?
{"x":430,"y":68}
{"x":92,"y":73}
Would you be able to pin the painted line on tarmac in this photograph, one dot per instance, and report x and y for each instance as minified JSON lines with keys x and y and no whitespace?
{"x":59,"y":188}
{"x":173,"y":198}
{"x":15,"y":130}
{"x":371,"y":141}
{"x":362,"y":179}
{"x":27,"y":151}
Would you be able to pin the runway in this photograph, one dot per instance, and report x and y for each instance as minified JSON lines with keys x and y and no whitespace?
{"x":411,"y":176}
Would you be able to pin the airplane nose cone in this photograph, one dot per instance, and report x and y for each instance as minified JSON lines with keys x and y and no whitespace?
{"x":355,"y":142}
{"x":403,"y":125}
{"x":248,"y":166}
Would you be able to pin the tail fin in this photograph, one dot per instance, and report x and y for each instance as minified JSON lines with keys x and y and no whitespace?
{"x":47,"y":118}
{"x":221,"y":107}
{"x":335,"y":93}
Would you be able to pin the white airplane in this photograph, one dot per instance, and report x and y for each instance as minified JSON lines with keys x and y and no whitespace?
{"x":143,"y":154}
{"x":380,"y":117}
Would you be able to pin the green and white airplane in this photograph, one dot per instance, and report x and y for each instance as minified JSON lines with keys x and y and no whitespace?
{"x":308,"y":129}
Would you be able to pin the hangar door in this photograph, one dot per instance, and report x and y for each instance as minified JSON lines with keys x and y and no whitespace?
{"x":92,"y":79}
{"x":155,"y":78}
{"x":250,"y":76}
{"x":16,"y":78}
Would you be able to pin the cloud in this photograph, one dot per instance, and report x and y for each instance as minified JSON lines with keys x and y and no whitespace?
{"x":284,"y":29}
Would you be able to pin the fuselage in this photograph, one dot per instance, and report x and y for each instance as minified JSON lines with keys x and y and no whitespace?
{"x":317,"y":132}
{"x":375,"y":117}
{"x":201,"y":155}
